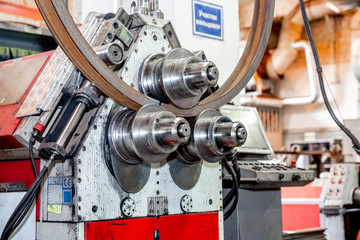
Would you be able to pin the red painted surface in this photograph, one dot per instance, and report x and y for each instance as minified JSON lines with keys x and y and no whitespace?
{"x":300,"y":216}
{"x":176,"y":227}
{"x":8,"y":120}
{"x":19,"y":10}
{"x":20,"y":171}
{"x":309,"y":191}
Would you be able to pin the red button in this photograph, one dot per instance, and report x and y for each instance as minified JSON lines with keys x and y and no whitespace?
{"x":332,"y":181}
{"x":340,"y":181}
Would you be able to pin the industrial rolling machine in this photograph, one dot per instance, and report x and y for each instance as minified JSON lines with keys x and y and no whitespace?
{"x":129,"y":132}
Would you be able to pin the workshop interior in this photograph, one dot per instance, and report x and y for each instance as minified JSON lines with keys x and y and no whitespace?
{"x":179,"y":119}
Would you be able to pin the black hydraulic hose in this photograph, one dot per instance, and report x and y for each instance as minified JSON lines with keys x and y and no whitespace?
{"x":354,"y":140}
{"x":31,"y":154}
{"x":236,"y":194}
{"x":232,"y":157}
{"x":23,"y":207}
{"x":230,"y":195}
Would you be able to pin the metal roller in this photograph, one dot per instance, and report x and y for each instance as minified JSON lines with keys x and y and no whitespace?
{"x":110,"y":54}
{"x":356,"y":196}
{"x":213,"y":136}
{"x":149,"y":134}
{"x":178,"y":77}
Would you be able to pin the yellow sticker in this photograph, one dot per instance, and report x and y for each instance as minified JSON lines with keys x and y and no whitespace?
{"x":54,"y":209}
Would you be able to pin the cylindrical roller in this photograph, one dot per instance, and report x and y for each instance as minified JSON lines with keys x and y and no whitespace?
{"x":149,"y":135}
{"x":356,"y":196}
{"x":172,"y":132}
{"x":230,"y":134}
{"x":179,"y":77}
{"x":119,"y":137}
{"x":111,"y":54}
{"x":213,"y":136}
{"x":155,"y":10}
{"x":201,"y":74}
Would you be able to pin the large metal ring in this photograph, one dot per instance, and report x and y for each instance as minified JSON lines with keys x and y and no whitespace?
{"x":68,"y":36}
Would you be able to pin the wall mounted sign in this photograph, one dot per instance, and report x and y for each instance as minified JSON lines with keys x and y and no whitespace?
{"x":208,"y":20}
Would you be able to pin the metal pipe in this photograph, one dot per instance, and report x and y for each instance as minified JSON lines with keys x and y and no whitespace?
{"x":278,"y":103}
{"x":71,"y":124}
{"x":45,"y":117}
{"x":314,"y":93}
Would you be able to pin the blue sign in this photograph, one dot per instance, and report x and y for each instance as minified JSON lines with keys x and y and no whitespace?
{"x":208,"y":20}
{"x":59,"y":190}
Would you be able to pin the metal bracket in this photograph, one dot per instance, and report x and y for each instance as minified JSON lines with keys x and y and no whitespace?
{"x":157,"y":206}
{"x":13,"y":187}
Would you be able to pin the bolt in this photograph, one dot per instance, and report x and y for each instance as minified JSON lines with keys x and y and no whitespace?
{"x":213,"y":73}
{"x":296,"y":177}
{"x":155,"y":38}
{"x":79,"y":180}
{"x":94,"y":208}
{"x":241,"y":133}
{"x":184,"y":130}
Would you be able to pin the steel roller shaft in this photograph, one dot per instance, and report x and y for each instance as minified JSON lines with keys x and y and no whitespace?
{"x":149,"y":134}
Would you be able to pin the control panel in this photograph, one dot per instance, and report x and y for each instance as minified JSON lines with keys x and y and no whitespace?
{"x":343,"y":180}
{"x":272,"y":174}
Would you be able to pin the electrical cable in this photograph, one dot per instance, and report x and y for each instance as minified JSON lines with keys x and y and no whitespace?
{"x":25,"y":204}
{"x":31,"y":153}
{"x":232,"y":157}
{"x":236,"y":185}
{"x":354,"y":140}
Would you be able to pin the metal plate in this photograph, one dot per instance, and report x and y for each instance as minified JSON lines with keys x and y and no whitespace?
{"x":185,"y":175}
{"x":144,"y":46}
{"x":99,"y":188}
{"x":16,"y":77}
{"x":131,"y":178}
{"x":56,"y":73}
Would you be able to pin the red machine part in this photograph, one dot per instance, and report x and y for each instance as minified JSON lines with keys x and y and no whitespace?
{"x":176,"y":227}
{"x":300,"y":207}
{"x":20,"y":171}
{"x":309,"y":191}
{"x":300,"y":216}
{"x":8,"y":120}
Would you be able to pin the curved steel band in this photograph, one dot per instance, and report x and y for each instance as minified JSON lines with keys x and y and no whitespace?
{"x":68,"y":36}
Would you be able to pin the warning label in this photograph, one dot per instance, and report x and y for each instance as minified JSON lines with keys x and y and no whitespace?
{"x":59,"y":191}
